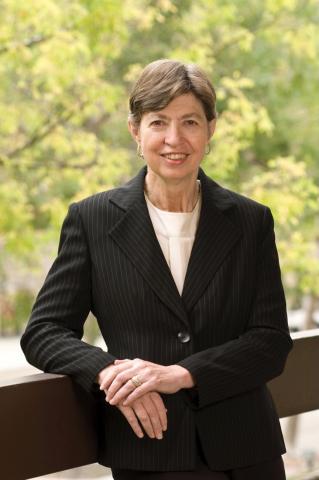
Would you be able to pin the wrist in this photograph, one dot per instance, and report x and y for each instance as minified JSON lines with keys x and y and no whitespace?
{"x":99,"y":377}
{"x":185,"y":378}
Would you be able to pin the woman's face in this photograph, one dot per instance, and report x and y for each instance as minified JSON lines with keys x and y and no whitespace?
{"x":173,"y":140}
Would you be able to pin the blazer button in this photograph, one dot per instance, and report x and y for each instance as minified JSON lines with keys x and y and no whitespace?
{"x":183,"y":337}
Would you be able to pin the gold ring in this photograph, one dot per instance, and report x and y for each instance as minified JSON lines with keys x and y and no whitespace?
{"x":136,"y":381}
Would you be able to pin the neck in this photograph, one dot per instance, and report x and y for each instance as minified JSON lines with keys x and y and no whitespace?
{"x":173,"y":196}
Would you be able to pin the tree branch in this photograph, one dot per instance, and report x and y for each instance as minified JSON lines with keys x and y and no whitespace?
{"x":43,"y":131}
{"x":234,"y":40}
{"x":48,"y":127}
{"x":28,"y":42}
{"x":81,"y":166}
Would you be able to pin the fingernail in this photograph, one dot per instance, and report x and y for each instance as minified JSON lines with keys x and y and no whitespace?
{"x":141,"y":435}
{"x":159,"y":436}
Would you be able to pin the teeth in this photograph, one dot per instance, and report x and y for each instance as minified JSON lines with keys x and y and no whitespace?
{"x":175,"y":156}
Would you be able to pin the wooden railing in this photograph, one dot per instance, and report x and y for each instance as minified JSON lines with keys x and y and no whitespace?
{"x":296,"y":390}
{"x":47,"y":424}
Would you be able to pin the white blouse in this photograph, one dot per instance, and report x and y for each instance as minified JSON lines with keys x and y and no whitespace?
{"x":175,"y":232}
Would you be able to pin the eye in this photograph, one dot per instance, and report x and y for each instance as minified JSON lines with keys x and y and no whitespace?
{"x":191,"y":122}
{"x":157,"y":123}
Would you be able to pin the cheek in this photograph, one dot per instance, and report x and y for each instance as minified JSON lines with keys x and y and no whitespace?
{"x":151,"y":141}
{"x":200,"y":142}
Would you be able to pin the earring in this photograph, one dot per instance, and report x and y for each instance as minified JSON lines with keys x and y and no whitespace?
{"x":139,"y":151}
{"x":207,"y":152}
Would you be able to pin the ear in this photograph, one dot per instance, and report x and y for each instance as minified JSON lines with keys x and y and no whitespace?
{"x":211,"y":128}
{"x":134,"y":131}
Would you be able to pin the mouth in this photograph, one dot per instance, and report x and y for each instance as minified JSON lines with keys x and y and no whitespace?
{"x":175,"y":158}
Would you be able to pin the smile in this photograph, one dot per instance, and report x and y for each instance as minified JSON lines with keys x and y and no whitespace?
{"x":175,"y":156}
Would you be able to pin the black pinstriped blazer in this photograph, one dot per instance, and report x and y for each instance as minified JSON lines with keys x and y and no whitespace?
{"x":229,"y":327}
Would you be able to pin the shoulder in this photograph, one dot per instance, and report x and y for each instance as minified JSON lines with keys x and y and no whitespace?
{"x":94,"y":203}
{"x":249,"y":215}
{"x":246,"y":204}
{"x":226,"y":199}
{"x":95,"y":210}
{"x":120,"y":198}
{"x":252,"y":215}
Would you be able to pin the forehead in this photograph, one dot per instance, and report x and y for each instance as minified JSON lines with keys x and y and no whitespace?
{"x":183,"y":105}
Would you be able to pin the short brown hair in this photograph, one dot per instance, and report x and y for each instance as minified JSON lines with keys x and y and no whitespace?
{"x":162,"y":81}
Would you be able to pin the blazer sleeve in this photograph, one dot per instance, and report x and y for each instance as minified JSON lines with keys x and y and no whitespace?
{"x":259,"y":354}
{"x":52,"y":339}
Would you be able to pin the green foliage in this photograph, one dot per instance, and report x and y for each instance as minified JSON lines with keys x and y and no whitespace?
{"x":66,"y":68}
{"x":293,"y":199}
{"x":14,"y":309}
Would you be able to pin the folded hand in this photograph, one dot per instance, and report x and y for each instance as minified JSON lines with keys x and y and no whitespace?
{"x":149,"y":412}
{"x":117,"y":380}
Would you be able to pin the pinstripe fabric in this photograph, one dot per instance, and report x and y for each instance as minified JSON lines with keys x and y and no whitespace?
{"x":232,"y":306}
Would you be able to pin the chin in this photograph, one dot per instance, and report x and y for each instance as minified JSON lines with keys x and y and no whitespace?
{"x":175,"y":174}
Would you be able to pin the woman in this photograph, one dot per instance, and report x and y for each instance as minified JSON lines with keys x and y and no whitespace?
{"x":183,"y":278}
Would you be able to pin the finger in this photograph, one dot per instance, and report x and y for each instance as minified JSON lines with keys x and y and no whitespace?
{"x":153,"y":415}
{"x":112,"y":374}
{"x":122,"y":381}
{"x":159,"y":404}
{"x":121,"y":394}
{"x":130,"y":416}
{"x":136,"y":361}
{"x":125,"y":378}
{"x":108,"y":378}
{"x":144,"y":418}
{"x":138,"y":392}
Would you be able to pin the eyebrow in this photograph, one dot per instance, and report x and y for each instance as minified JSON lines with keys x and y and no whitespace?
{"x":186,"y":115}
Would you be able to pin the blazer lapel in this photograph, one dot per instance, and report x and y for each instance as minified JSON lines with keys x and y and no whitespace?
{"x":215,"y":237}
{"x":134,"y":234}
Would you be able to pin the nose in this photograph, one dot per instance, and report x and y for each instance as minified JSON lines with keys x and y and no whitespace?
{"x":173,"y":134}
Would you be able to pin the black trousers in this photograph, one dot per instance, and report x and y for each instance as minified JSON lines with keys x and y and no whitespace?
{"x":270,"y":470}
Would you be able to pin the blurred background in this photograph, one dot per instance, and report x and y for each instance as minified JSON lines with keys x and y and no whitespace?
{"x":66,"y":70}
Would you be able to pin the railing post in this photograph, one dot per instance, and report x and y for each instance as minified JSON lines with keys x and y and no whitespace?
{"x":46,"y":425}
